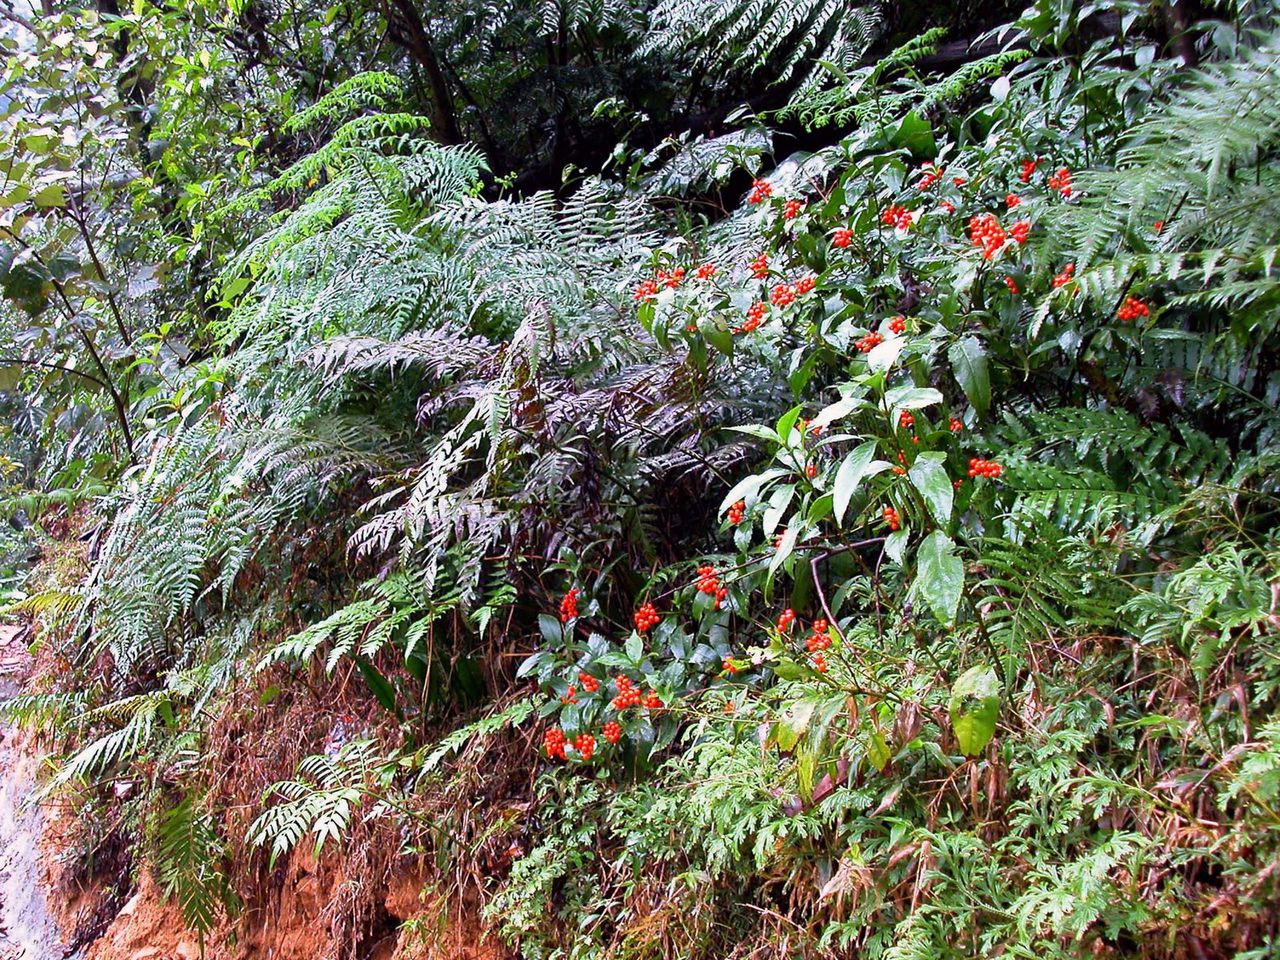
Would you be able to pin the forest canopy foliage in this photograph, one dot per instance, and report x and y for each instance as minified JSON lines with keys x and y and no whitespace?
{"x":737,"y":479}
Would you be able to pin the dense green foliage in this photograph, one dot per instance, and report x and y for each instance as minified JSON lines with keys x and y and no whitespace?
{"x":920,"y":482}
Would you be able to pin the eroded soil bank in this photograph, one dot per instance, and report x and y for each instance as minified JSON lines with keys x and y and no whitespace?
{"x":44,"y":916}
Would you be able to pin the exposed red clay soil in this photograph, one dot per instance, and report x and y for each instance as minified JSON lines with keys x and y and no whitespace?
{"x":40,"y":911}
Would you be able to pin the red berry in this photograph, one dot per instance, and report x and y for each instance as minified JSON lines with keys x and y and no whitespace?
{"x":1062,"y":279}
{"x":612,"y":731}
{"x":842,"y":237}
{"x":646,"y":617}
{"x":898,"y":324}
{"x":569,"y":605}
{"x":792,"y":209}
{"x":585,"y":744}
{"x":869,"y":342}
{"x":706,"y":271}
{"x":1131,"y":309}
{"x":760,"y":191}
{"x":589,"y":683}
{"x":811,"y":470}
{"x":760,"y":266}
{"x":782,"y":295}
{"x":1012,"y":200}
{"x":891,"y":518}
{"x":1061,"y":181}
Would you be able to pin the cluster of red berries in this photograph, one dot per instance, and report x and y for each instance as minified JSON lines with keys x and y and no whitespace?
{"x":1020,"y":231}
{"x":705,"y":271}
{"x":820,"y":662}
{"x":646,"y":290}
{"x":585,"y":744}
{"x":984,"y":468}
{"x":959,"y":181}
{"x":1131,"y":309}
{"x":628,"y":694}
{"x":869,"y":342}
{"x":553,"y":742}
{"x":947,"y":206}
{"x":1011,"y":200}
{"x":1061,"y":181}
{"x":891,"y":518}
{"x":727,"y":665}
{"x":819,"y":639}
{"x":755,"y":314}
{"x":708,"y":579}
{"x":569,"y":605}
{"x":589,"y":683}
{"x":760,"y":191}
{"x":612,"y":731}
{"x":806,"y":283}
{"x":785,"y":619}
{"x":709,"y":583}
{"x":897,"y":216}
{"x":571,"y":696}
{"x":1028,"y":168}
{"x":646,"y":617}
{"x":736,"y":512}
{"x":670,"y":279}
{"x":760,"y":266}
{"x":792,"y":209}
{"x":1062,"y":279}
{"x":956,"y":425}
{"x":782,"y":295}
{"x":898,"y":324}
{"x":932,"y":174}
{"x":906,"y":418}
{"x":1012,"y":284}
{"x":811,"y":470}
{"x":985,"y":232}
{"x":842,"y":237}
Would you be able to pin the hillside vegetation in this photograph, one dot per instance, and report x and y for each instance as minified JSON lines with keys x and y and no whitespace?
{"x":839,"y":520}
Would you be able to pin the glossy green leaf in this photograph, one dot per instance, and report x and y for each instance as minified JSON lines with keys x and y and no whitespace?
{"x":939,"y":575}
{"x":974,"y":708}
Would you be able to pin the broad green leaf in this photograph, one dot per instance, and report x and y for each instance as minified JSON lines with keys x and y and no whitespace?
{"x":720,"y":337}
{"x":908,"y":397}
{"x":634,"y":648}
{"x":785,"y":547}
{"x":853,"y":468}
{"x":379,"y":686}
{"x":884,"y":355}
{"x":929,"y":476}
{"x":877,"y":749}
{"x":793,"y":723}
{"x":54,"y":195}
{"x":969,"y":363}
{"x":748,"y":487}
{"x":939,"y":575}
{"x":895,"y":545}
{"x":974,"y":708}
{"x":787,"y":421}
